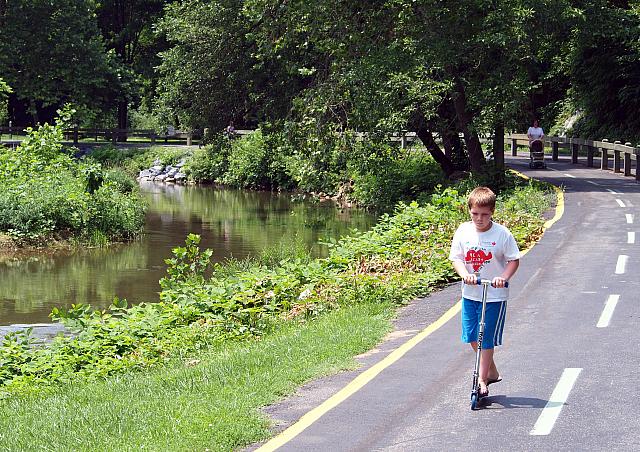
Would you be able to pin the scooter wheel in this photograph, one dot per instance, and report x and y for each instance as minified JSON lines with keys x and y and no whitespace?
{"x":474,"y":401}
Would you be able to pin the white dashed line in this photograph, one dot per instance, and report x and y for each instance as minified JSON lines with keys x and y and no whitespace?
{"x":569,"y":175}
{"x":613,"y":192}
{"x":620,"y":203}
{"x":593,"y":183}
{"x":552,"y":410}
{"x":629,"y":217}
{"x":621,"y":264}
{"x":631,"y":237}
{"x":609,"y":306}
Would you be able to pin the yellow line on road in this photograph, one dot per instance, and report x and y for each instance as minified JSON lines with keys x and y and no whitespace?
{"x":357,"y":383}
{"x":365,"y":377}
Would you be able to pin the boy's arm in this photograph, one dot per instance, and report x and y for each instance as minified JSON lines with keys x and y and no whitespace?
{"x":461,"y":269}
{"x":509,"y":270}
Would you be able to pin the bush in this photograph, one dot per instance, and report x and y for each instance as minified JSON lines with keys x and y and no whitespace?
{"x":383,"y":175}
{"x":118,"y":215}
{"x":252,"y":163}
{"x":45,"y":193}
{"x":210,"y":163}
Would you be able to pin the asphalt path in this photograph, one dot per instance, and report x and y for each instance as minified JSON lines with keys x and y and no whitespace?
{"x":570,"y":363}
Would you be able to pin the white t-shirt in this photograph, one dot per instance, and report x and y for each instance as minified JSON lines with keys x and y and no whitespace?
{"x":486,"y":254}
{"x":535,"y":133}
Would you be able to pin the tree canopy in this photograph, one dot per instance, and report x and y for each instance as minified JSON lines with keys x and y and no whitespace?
{"x":450,"y":70}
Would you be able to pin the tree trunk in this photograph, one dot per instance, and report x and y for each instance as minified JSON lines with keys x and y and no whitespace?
{"x":426,"y":137}
{"x":420,"y":124}
{"x":476,"y":157}
{"x":498,"y":145}
{"x":123,"y":112}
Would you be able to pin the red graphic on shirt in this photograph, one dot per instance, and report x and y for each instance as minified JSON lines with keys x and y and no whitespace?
{"x":477,"y":258}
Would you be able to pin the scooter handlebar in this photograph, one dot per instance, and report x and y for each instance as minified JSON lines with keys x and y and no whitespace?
{"x":488,"y":281}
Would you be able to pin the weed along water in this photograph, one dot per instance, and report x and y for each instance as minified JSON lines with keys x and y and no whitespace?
{"x":233,"y":223}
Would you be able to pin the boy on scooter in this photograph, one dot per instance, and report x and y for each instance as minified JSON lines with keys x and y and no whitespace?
{"x":484,"y":249}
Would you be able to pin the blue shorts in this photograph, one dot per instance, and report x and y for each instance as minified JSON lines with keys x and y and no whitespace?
{"x":493,"y":318}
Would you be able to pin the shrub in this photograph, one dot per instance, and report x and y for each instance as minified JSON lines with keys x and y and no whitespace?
{"x":383,"y":175}
{"x":47,"y":193}
{"x":114,"y":213}
{"x":210,"y":163}
{"x":253,"y":164}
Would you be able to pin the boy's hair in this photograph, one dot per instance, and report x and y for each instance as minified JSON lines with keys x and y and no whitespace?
{"x":482,"y":197}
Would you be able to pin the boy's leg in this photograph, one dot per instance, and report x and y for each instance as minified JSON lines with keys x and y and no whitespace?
{"x":494,"y":324}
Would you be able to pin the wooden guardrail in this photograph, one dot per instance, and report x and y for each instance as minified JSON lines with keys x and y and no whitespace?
{"x":75,"y":134}
{"x":622,"y":154}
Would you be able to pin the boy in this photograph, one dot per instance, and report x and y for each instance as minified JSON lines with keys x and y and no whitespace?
{"x":482,"y":248}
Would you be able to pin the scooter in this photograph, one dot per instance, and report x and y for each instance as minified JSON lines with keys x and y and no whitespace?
{"x":476,"y":397}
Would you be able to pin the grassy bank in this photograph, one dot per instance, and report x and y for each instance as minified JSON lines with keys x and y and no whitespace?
{"x":186,"y":372}
{"x":208,"y":400}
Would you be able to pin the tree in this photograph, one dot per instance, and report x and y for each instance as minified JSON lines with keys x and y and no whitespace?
{"x":444,"y":68}
{"x":127,"y":28}
{"x":604,"y":69}
{"x":214,"y":70}
{"x":51,"y":53}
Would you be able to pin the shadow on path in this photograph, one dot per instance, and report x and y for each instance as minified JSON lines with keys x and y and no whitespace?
{"x":501,"y":402}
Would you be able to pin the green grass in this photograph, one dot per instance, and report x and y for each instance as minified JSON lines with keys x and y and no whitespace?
{"x":213,"y":404}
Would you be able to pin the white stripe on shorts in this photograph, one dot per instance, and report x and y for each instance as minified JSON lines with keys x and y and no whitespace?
{"x":500,"y":324}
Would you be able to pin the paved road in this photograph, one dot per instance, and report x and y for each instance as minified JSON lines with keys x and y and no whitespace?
{"x":570,"y":361}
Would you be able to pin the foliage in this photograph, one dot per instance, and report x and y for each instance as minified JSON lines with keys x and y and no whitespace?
{"x":383,"y":175}
{"x":605,"y":71}
{"x":210,"y":163}
{"x":370,"y":173}
{"x":405,"y":254}
{"x":127,"y":29}
{"x":51,"y":53}
{"x":46,"y":193}
{"x":253,"y":164}
{"x":4,"y":91}
{"x":434,"y":67}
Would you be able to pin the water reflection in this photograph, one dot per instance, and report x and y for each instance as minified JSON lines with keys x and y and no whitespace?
{"x":231,"y":222}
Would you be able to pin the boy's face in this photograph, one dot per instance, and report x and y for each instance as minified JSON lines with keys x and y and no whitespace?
{"x":481,"y":217}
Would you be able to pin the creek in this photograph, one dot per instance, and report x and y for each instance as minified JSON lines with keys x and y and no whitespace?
{"x":234,"y":223}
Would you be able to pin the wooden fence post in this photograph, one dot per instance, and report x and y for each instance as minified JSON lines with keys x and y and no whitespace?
{"x":604,"y":157}
{"x":616,"y":159}
{"x":636,"y":151}
{"x":75,"y":134}
{"x":189,"y":138}
{"x":627,"y":161}
{"x":514,"y":147}
{"x":575,"y":147}
{"x":554,"y":151}
{"x":403,"y":140}
{"x":590,"y":152}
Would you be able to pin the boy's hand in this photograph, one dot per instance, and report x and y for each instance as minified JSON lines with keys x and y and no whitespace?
{"x":470,"y":279}
{"x":498,"y":282}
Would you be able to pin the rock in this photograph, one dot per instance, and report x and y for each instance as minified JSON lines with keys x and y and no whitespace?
{"x":180,"y":176}
{"x":157,"y":168}
{"x":160,"y":177}
{"x":157,"y":162}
